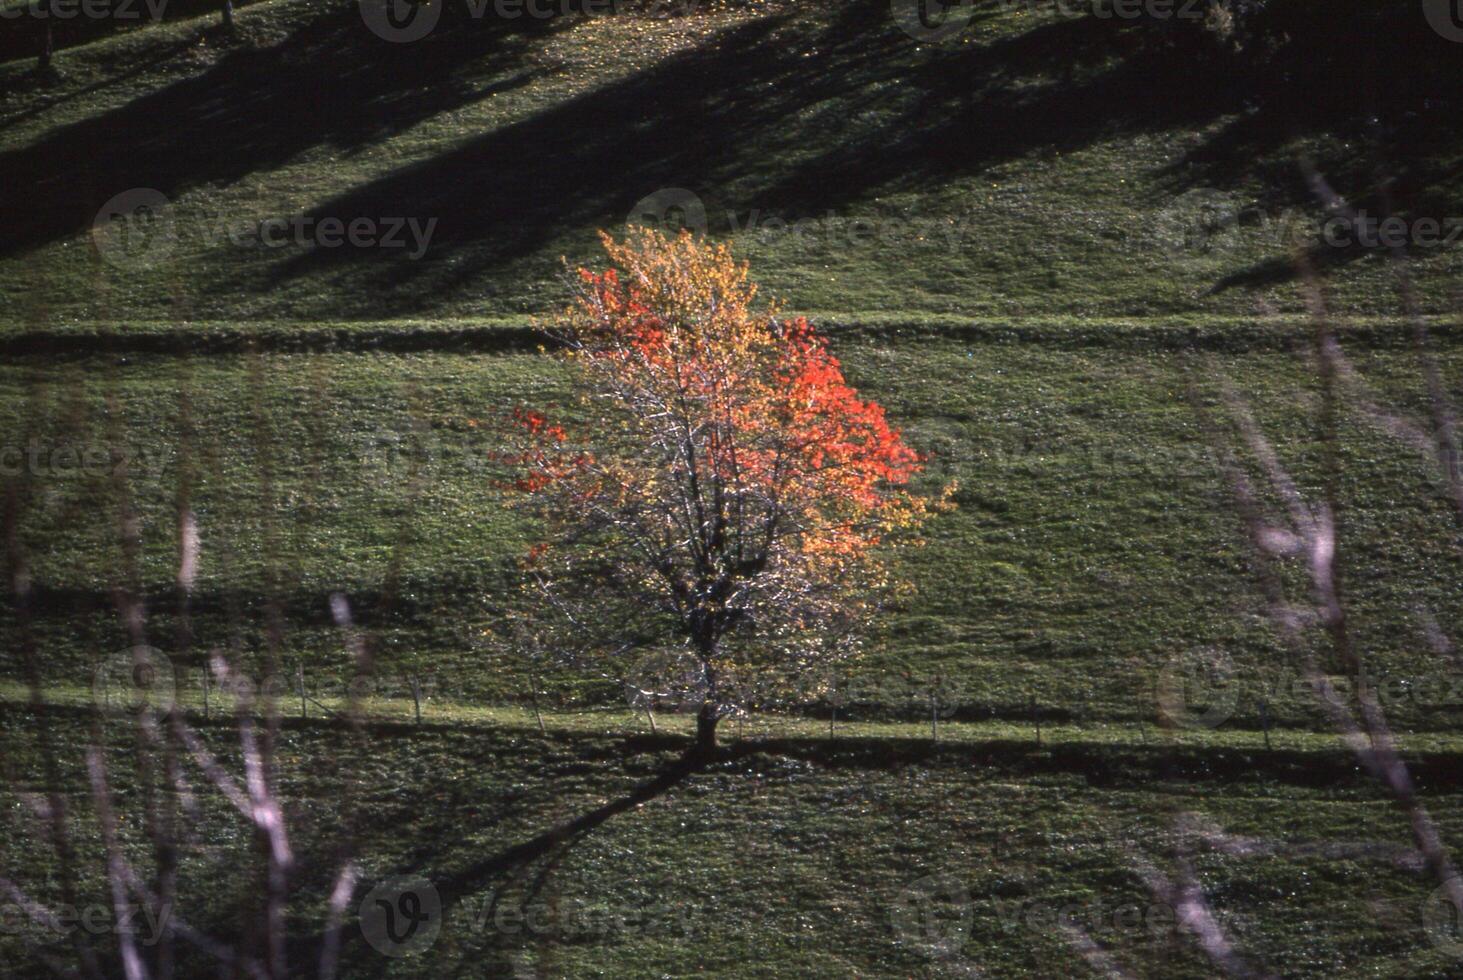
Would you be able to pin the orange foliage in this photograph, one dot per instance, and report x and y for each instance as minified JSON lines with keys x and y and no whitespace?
{"x":725,"y":453}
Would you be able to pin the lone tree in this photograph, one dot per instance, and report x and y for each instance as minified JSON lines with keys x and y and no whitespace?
{"x":726,"y":496}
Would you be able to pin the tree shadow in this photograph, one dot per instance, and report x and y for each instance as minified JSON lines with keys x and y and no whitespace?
{"x":513,"y":864}
{"x":141,"y":66}
{"x":22,"y":36}
{"x":787,"y":114}
{"x":1367,"y":96}
{"x":745,"y":121}
{"x":329,"y":83}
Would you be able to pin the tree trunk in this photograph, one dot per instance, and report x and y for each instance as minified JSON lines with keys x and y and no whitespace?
{"x":228,"y":14}
{"x":706,"y":720}
{"x":48,"y":43}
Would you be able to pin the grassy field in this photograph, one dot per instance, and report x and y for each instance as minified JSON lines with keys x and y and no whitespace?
{"x":845,"y":859}
{"x":1045,"y":244}
{"x":1032,"y":164}
{"x":1094,"y":542}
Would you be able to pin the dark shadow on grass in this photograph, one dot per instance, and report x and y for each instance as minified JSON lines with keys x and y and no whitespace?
{"x":513,"y":863}
{"x":787,"y":116}
{"x":797,"y":118}
{"x":330,"y":83}
{"x":134,"y":70}
{"x":794,"y":116}
{"x":1367,"y":94}
{"x":22,"y":36}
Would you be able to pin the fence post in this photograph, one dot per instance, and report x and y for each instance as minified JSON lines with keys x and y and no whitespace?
{"x":300,"y":674}
{"x":832,"y":699}
{"x":1142,"y":728}
{"x":533,"y":697}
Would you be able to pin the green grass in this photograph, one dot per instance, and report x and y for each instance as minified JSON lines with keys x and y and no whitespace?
{"x":394,"y":705}
{"x":796,"y":852}
{"x":1037,"y":166}
{"x":1078,"y":230}
{"x":1094,"y":540}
